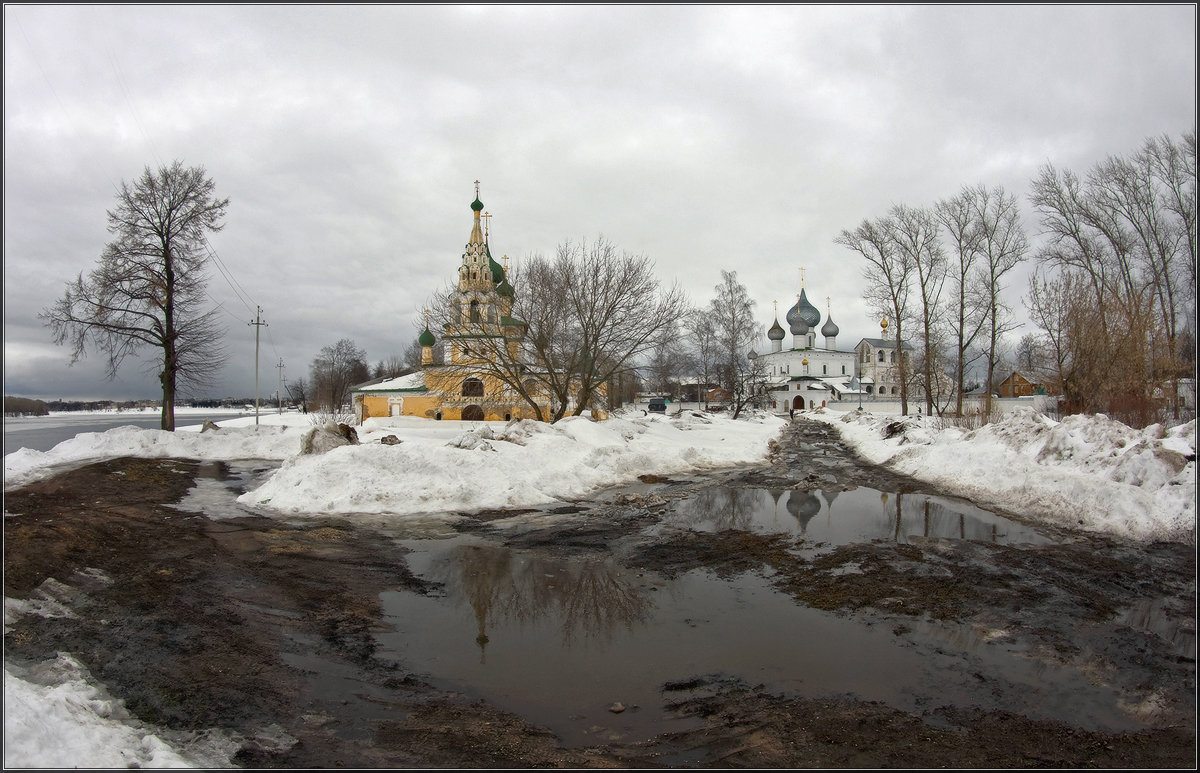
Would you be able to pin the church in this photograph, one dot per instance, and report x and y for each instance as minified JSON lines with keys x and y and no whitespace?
{"x":812,"y":373}
{"x":479,"y":329}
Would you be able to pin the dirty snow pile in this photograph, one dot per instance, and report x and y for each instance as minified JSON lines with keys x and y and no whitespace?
{"x":267,"y":441}
{"x":443,"y":466}
{"x":1087,"y":472}
{"x":57,"y":716}
{"x":435,"y":465}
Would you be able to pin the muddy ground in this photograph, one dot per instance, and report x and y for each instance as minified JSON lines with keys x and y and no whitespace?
{"x":199,"y":625}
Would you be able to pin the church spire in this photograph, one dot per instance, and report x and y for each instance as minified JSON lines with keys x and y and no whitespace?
{"x":477,"y":207}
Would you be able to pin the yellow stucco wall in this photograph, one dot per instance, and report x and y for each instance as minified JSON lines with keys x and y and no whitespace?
{"x":445,"y":394}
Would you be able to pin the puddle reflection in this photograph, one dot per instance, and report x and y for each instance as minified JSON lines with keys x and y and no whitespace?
{"x":846,"y":517}
{"x":591,"y":598}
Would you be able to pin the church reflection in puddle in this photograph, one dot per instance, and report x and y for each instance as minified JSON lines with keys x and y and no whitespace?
{"x":845,"y":517}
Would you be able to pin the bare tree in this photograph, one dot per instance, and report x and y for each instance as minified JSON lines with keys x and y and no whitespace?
{"x":702,"y":333}
{"x":665,"y":365}
{"x":1002,"y":247}
{"x":148,"y":288}
{"x":337,"y":368}
{"x":1126,"y":236}
{"x":966,"y":316}
{"x":397,"y":365}
{"x":1051,"y":304}
{"x":916,"y":235}
{"x":889,"y":279}
{"x":577,"y":323}
{"x":736,"y":331}
{"x":298,"y":392}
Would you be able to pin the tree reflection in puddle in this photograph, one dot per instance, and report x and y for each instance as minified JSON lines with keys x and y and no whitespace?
{"x":591,"y":597}
{"x":559,"y":636}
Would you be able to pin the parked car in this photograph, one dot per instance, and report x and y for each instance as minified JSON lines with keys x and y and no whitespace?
{"x":658,"y":405}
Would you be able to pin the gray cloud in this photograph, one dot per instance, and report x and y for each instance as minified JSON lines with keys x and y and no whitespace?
{"x":707,"y":137}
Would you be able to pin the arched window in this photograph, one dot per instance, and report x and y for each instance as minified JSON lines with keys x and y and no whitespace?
{"x":843,"y":370}
{"x":824,"y":370}
{"x":882,"y":355}
{"x":474,"y":311}
{"x":472,"y":387}
{"x":893,"y":358}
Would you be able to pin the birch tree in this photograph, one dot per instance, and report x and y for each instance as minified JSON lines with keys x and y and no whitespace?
{"x":889,"y":283}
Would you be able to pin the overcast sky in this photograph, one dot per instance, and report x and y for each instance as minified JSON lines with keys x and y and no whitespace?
{"x":348,"y":140}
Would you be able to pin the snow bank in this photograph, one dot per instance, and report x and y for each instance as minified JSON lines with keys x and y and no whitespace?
{"x":58,"y":717}
{"x":491,"y":465}
{"x":268,"y":441}
{"x":1086,"y":472}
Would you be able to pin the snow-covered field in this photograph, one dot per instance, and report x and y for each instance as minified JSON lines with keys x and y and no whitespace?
{"x":1086,"y":472}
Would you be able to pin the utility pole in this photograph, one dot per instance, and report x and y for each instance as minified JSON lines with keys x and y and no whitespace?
{"x":279,"y":394}
{"x":258,"y":325}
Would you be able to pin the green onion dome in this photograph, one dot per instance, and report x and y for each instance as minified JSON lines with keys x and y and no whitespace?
{"x":426,"y":338}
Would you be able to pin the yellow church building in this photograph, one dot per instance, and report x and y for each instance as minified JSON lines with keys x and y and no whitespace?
{"x":465,"y":385}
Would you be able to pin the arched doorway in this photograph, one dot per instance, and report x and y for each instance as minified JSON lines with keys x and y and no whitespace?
{"x":798,"y":402}
{"x":472,"y":413}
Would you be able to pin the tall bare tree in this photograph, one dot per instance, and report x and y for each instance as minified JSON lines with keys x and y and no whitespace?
{"x":702,"y":334}
{"x":889,"y":283}
{"x":732,"y":313}
{"x":916,"y":234}
{"x":966,"y":314}
{"x":148,"y":288}
{"x":1003,"y":246}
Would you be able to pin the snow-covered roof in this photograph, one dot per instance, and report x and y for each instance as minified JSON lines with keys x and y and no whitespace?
{"x":413,"y":381}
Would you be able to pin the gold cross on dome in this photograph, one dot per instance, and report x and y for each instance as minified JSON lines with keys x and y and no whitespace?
{"x":476,"y":189}
{"x":802,"y":277}
{"x":486,"y":218}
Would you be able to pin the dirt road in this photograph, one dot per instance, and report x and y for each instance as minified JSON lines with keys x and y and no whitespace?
{"x":262,"y":635}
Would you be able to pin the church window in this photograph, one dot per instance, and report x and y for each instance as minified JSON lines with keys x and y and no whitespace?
{"x":893,"y":358}
{"x":472,"y":387}
{"x":843,"y":370}
{"x":474,"y":311}
{"x":824,"y":370}
{"x":882,"y":355}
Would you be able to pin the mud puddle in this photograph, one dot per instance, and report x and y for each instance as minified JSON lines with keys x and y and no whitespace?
{"x":584,"y":643}
{"x":793,"y":614}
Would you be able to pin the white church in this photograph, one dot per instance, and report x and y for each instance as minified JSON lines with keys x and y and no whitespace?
{"x":812,"y":373}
